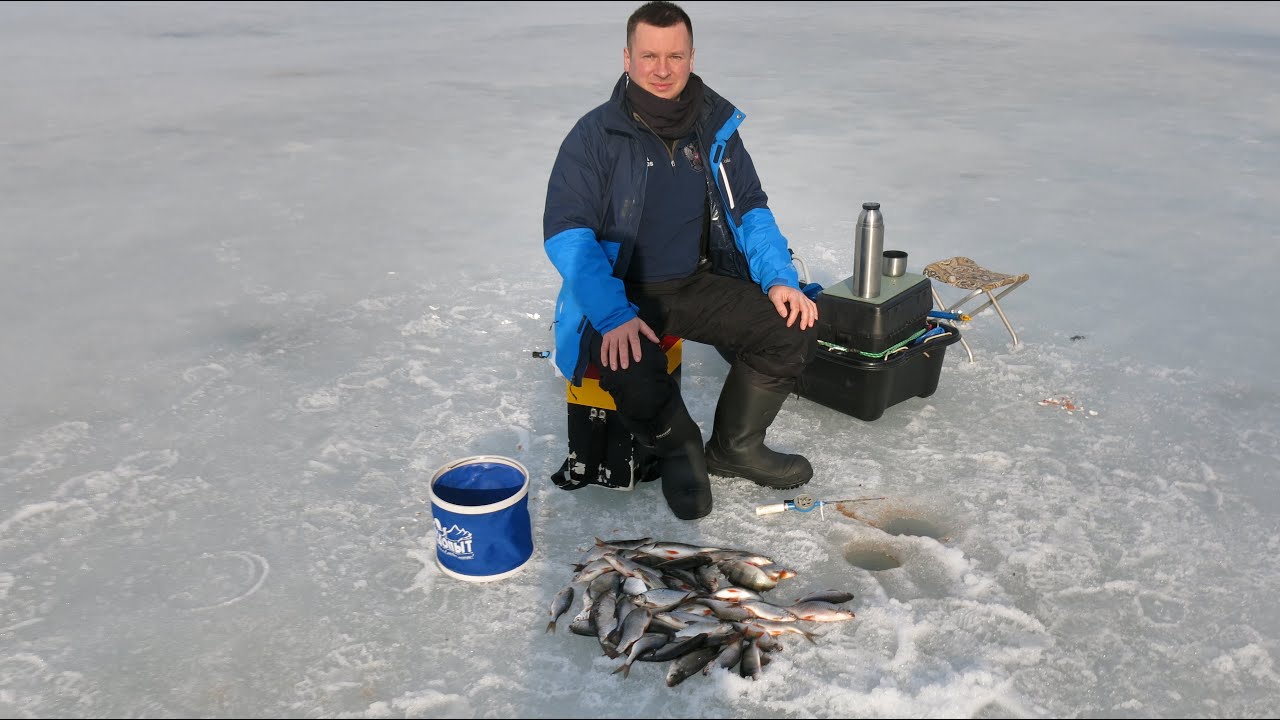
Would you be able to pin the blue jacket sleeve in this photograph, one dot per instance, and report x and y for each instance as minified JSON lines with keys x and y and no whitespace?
{"x":762,"y":240}
{"x":766,"y":251}
{"x":571,"y":225}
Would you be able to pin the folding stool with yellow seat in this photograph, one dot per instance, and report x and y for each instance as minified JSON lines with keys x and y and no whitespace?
{"x":966,"y":274}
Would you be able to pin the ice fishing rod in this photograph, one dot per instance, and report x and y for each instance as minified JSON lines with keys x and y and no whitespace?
{"x":805,"y":503}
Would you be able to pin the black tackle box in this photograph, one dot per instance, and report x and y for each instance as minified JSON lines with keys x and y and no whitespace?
{"x":863,"y":386}
{"x":874,"y":324}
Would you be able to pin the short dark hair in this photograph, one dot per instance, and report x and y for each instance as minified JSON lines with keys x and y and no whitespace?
{"x":658,"y":14}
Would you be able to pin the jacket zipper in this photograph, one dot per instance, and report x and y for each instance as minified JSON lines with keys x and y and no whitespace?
{"x":671,"y":149}
{"x":724,"y":175}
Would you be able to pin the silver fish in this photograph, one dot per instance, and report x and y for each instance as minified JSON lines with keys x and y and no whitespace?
{"x":604,"y":615}
{"x":831,"y":596}
{"x":623,"y":544}
{"x":767,"y":611}
{"x":725,"y":609}
{"x":778,"y":573}
{"x":647,"y":642}
{"x":819,"y":611}
{"x":674,"y":550}
{"x":633,"y":626}
{"x":606,"y":582}
{"x":592,"y":570}
{"x":735,"y":594}
{"x":714,"y":630}
{"x":690,"y":664}
{"x":710,"y":577}
{"x":624,"y":609}
{"x":768,"y":644}
{"x":626,"y":566}
{"x":634,"y":586}
{"x":673,"y":649}
{"x":673,"y":620}
{"x":582,"y":626}
{"x":740,"y":556}
{"x":559,"y":605}
{"x":730,"y":655}
{"x":751,"y":660}
{"x":769,"y":627}
{"x":595,"y":553}
{"x":693,"y":606}
{"x":661,"y":598}
{"x":664,"y":622}
{"x":584,"y":615}
{"x":603,"y":584}
{"x":643,"y":566}
{"x":680,"y":579}
{"x":747,"y":575}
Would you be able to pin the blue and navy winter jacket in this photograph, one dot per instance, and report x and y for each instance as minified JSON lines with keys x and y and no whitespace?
{"x":594,"y":200}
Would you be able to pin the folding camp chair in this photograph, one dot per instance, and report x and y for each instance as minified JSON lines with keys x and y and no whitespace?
{"x":968,"y":275}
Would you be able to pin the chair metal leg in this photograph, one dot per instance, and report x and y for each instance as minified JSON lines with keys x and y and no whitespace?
{"x":976,"y":293}
{"x":996,"y":305}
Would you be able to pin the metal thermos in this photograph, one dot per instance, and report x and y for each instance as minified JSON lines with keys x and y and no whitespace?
{"x":868,"y":248}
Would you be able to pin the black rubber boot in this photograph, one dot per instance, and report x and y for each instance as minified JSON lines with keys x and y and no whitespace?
{"x":748,"y":405}
{"x":683,"y":467}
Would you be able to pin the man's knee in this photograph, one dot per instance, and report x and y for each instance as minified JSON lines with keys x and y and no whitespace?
{"x":643,"y":391}
{"x":787,"y":355}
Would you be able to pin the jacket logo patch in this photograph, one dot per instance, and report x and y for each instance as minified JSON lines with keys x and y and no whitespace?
{"x":693,"y":156}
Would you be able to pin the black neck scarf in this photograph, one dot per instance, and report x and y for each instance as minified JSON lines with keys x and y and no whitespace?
{"x":670,"y":119}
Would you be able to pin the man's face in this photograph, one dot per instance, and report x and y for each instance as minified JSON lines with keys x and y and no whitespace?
{"x":660,"y":59}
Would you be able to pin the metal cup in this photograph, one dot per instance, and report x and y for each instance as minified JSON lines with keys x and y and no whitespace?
{"x":894,"y":263}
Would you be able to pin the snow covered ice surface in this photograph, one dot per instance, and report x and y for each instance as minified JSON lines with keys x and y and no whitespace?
{"x":265,"y":267}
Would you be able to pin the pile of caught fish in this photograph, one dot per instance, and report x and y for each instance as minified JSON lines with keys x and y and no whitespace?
{"x":698,"y":607}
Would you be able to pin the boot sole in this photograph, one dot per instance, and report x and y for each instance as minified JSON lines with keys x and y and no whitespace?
{"x":729,"y":473}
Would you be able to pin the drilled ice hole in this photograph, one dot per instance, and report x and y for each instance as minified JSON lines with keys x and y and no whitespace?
{"x":912,"y":526}
{"x":870,"y":557}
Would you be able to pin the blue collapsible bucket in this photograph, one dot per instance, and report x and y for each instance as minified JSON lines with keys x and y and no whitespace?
{"x":481,"y":509}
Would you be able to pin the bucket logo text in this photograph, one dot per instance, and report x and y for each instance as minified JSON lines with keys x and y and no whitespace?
{"x":455,"y":541}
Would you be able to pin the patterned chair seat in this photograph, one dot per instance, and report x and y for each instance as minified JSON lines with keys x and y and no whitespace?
{"x":964,"y":273}
{"x":969,"y":275}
